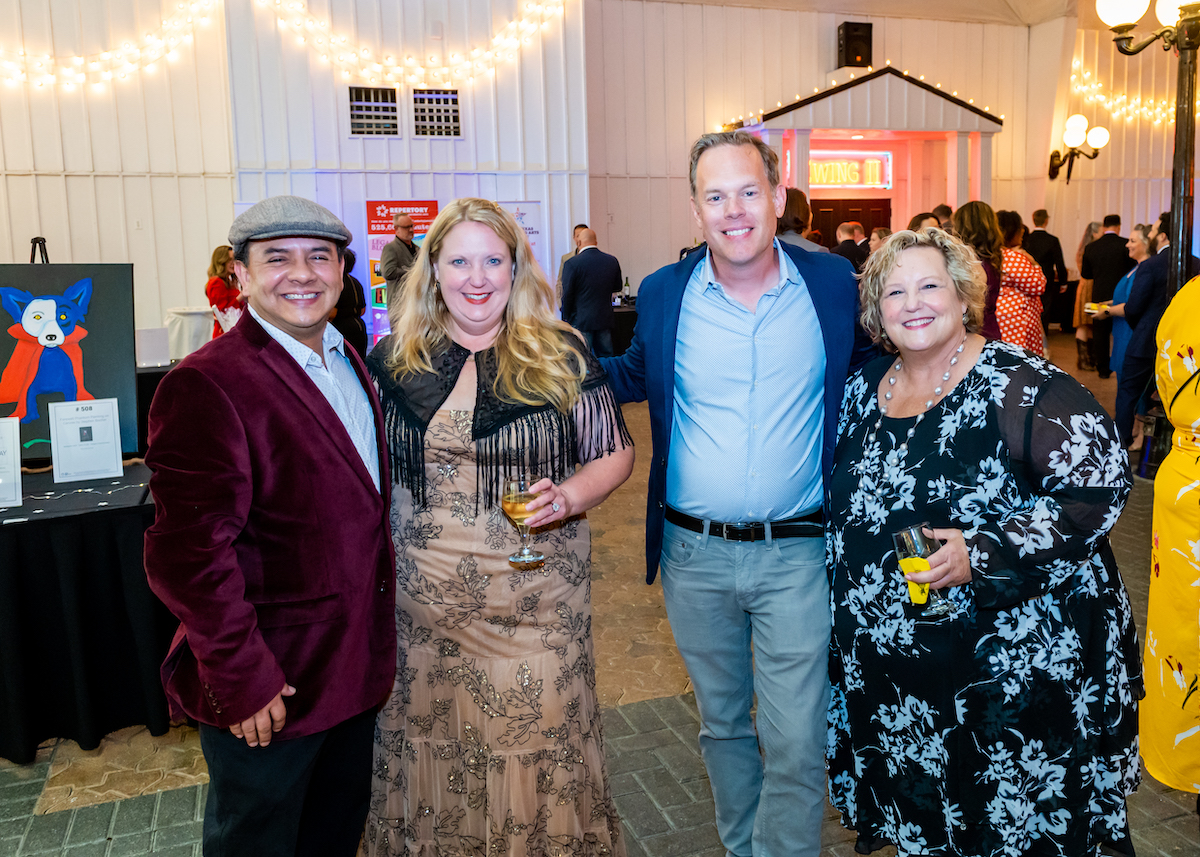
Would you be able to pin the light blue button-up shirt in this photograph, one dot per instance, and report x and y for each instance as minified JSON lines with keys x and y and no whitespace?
{"x":338,"y":383}
{"x":749,"y":401}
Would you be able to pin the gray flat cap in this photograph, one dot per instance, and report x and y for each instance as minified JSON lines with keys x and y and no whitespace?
{"x":281,"y":216}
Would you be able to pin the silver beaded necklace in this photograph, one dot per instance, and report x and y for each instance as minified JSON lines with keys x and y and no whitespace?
{"x":894,"y":457}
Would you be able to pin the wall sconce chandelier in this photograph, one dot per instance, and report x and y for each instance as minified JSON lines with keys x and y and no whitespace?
{"x":1074,"y":136}
{"x":1181,"y":31}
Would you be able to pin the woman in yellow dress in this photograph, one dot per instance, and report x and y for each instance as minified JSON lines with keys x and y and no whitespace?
{"x":1170,"y":714}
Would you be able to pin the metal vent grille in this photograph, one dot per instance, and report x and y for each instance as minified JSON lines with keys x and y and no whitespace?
{"x":374,"y":111}
{"x":435,"y":113}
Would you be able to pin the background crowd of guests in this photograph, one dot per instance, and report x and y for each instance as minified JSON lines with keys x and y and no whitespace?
{"x":362,"y":652}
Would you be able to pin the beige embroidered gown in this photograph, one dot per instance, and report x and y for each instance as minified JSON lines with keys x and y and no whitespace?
{"x":490,"y":744}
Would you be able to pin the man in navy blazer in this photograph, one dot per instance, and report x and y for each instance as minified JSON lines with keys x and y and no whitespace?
{"x":1144,"y":309}
{"x":271,"y":544}
{"x":590,"y":279}
{"x":743,"y":352}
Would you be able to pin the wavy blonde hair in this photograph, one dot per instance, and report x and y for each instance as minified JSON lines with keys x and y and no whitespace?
{"x":966,"y":272}
{"x":536,"y":364}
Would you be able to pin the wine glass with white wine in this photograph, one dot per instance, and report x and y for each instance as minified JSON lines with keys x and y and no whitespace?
{"x":913,"y":548}
{"x":513,"y":501}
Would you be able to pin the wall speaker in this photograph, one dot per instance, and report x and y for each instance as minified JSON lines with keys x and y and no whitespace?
{"x":854,"y":45}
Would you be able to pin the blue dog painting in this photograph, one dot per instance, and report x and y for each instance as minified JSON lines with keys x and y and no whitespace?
{"x":47,"y":357}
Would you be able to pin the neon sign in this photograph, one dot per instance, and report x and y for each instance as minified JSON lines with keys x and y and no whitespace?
{"x":828,"y":169}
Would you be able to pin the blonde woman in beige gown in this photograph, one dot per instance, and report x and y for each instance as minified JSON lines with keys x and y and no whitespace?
{"x":491,"y":742}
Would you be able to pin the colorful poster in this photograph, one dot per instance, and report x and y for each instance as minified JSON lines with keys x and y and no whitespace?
{"x":529,"y":218}
{"x":379,"y":233}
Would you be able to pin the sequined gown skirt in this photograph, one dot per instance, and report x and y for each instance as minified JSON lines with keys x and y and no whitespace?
{"x":491,"y":742}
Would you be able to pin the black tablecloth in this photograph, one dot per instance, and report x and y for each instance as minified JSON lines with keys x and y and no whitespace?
{"x":81,"y":635}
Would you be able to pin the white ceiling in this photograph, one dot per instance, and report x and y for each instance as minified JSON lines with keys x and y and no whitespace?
{"x":1015,"y":12}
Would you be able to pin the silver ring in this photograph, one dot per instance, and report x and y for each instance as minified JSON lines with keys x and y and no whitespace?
{"x":555,"y":506}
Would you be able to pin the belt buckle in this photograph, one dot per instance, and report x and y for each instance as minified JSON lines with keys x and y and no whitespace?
{"x":737,"y":532}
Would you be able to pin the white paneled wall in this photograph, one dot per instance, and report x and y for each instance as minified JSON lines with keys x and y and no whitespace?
{"x":524,"y":129}
{"x":1132,"y":175}
{"x":661,"y":74}
{"x":137,"y":170}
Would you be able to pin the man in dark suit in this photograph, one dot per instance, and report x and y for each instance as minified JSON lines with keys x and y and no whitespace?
{"x":558,"y":282}
{"x":1144,"y":309}
{"x":399,"y":253}
{"x":848,"y":246}
{"x":743,"y":418}
{"x":1105,"y":261}
{"x":271,"y":544}
{"x":590,"y":279}
{"x":1047,"y":252}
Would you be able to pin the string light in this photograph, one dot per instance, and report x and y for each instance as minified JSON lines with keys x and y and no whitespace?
{"x":355,"y":63}
{"x":1120,"y":106}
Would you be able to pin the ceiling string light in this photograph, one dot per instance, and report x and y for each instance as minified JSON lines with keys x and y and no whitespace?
{"x":355,"y":62}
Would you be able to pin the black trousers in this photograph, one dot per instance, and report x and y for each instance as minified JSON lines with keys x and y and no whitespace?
{"x":303,"y":796}
{"x":1102,"y":344}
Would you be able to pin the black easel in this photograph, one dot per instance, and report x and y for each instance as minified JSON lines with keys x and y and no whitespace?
{"x":35,"y":245}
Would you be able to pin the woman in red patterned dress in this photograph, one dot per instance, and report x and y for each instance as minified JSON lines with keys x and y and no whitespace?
{"x":1019,"y":308}
{"x":222,"y":289}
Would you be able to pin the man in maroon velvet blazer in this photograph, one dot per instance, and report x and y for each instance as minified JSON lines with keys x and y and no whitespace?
{"x":271,"y":544}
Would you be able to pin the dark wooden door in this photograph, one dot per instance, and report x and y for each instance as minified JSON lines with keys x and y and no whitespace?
{"x":829,"y":213}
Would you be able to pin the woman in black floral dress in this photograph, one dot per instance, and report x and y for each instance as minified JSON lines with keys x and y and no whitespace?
{"x":1008,"y":726}
{"x":491,"y":743}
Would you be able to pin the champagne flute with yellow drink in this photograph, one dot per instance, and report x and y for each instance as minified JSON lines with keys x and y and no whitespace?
{"x":513,"y":501}
{"x":913,"y":548}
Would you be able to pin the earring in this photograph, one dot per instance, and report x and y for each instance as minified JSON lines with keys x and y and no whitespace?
{"x":883,"y":334}
{"x":964,"y":318}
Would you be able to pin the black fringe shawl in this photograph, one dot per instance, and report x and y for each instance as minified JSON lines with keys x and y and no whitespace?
{"x":510,"y":439}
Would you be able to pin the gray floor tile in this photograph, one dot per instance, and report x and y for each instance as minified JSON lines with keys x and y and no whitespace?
{"x":641,"y":816}
{"x":683,"y":843}
{"x":691,"y":814}
{"x":180,"y":834}
{"x":46,"y":833}
{"x":177,"y":807}
{"x":134,"y":815}
{"x":682,"y":762}
{"x":615,"y":726}
{"x":622,"y":763}
{"x":18,"y":807}
{"x":91,"y":824}
{"x":642,"y":717}
{"x":15,"y":827}
{"x":661,"y":787}
{"x":674,"y":712}
{"x":178,"y":851}
{"x":91,"y":849}
{"x":646,"y":740}
{"x":620,"y":784}
{"x":131,"y":845}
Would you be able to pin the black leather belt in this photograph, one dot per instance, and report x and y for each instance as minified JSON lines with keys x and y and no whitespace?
{"x":753,"y":531}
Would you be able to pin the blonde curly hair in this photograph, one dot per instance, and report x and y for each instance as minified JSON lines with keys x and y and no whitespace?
{"x":966,"y":272}
{"x":536,"y":363}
